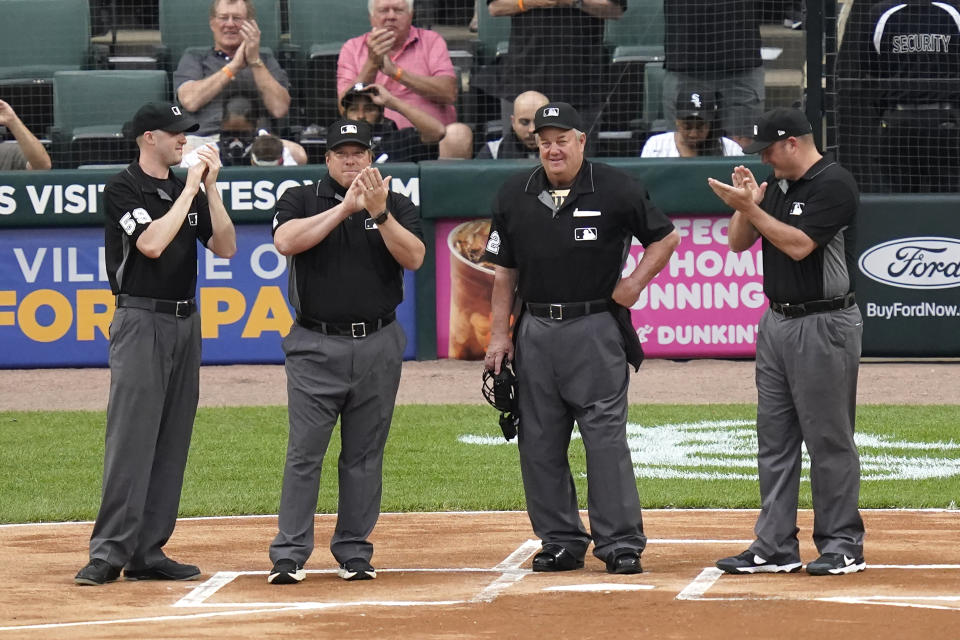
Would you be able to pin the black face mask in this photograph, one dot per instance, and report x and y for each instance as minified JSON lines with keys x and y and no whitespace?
{"x":235,"y":148}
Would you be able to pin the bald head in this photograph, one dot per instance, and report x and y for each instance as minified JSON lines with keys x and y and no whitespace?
{"x":524,"y":108}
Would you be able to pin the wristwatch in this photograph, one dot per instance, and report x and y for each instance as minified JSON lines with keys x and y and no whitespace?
{"x":382,"y":217}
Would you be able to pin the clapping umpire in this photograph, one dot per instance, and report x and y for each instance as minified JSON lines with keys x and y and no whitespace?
{"x":153,"y":222}
{"x":808,"y":346}
{"x":559,"y":238}
{"x":348,"y":240}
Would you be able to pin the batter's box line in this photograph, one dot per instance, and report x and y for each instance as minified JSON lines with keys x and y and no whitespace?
{"x":509,"y":573}
{"x":696,"y":590}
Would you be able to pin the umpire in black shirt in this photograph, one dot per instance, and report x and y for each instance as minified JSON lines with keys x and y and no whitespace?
{"x":348,"y":240}
{"x":808,"y":346}
{"x":559,"y":238}
{"x":153,"y":222}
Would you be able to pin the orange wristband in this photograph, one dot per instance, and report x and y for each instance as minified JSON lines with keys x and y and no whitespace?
{"x":398,"y":74}
{"x":228,"y":73}
{"x":520,"y":5}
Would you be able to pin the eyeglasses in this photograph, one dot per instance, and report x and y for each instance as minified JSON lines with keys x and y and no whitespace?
{"x":225,"y":18}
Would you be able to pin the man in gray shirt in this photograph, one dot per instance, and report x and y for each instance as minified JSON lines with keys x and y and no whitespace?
{"x":27,"y":152}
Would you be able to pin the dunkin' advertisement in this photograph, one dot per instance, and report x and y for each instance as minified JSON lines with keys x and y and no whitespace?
{"x":705,"y":304}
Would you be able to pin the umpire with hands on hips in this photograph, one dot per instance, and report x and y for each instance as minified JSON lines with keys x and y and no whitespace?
{"x":348,"y":240}
{"x":808,"y":346}
{"x":153,"y":222}
{"x":558,"y":239}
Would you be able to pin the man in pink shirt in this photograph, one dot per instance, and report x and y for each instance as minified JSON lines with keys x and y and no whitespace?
{"x":413,"y":64}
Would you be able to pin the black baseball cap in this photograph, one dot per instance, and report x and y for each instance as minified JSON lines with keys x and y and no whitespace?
{"x":775,"y":125}
{"x":164,"y":116}
{"x":359,"y":89}
{"x":344,"y":131}
{"x":557,"y":114}
{"x":695,"y":103}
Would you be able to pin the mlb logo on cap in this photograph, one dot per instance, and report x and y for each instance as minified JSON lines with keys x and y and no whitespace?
{"x":557,"y":114}
{"x":343,"y":131}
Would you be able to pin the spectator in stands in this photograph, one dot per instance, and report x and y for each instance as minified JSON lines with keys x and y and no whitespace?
{"x":413,"y":64}
{"x":27,"y":152}
{"x":716,"y":46}
{"x":238,"y":131}
{"x":390,"y":144}
{"x":697,"y":130}
{"x":234,"y":66}
{"x":556,"y":47}
{"x":899,"y":69}
{"x":520,"y":140}
{"x":267,"y":151}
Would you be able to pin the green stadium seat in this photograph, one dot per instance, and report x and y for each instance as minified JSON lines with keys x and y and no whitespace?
{"x":638,"y":35}
{"x":493,"y":34}
{"x":316,"y":38}
{"x":653,"y":74}
{"x":90,"y":107}
{"x":186,"y":23}
{"x":38,"y":38}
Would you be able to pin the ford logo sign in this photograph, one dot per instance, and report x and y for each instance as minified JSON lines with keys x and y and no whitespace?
{"x":914,"y":263}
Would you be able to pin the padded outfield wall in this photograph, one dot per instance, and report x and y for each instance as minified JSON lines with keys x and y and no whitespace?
{"x":55,"y":304}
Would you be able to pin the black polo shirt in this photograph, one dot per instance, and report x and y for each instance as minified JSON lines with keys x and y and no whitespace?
{"x":559,"y":52}
{"x":918,"y":42}
{"x":400,"y":145}
{"x":576,"y":252}
{"x":823,"y":204}
{"x":350,"y":275}
{"x":711,"y":37}
{"x":131,"y":201}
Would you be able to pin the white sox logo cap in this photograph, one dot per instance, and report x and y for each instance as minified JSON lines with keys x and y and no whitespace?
{"x":557,"y":114}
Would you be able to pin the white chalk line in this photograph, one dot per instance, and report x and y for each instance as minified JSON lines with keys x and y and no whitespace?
{"x":696,"y":590}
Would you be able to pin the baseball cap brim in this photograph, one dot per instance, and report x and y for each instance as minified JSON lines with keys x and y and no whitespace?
{"x":757,"y":146}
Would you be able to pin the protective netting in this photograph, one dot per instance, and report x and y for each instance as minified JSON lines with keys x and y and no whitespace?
{"x":697,"y":71}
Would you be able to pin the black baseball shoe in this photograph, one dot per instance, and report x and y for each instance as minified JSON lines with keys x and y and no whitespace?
{"x":286,"y":571}
{"x":553,"y":557}
{"x":624,"y":561}
{"x":835,"y":564}
{"x":96,"y":573}
{"x":356,"y":569}
{"x":166,"y":569}
{"x":749,"y":562}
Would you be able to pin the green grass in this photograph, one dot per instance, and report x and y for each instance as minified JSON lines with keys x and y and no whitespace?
{"x":51,"y":461}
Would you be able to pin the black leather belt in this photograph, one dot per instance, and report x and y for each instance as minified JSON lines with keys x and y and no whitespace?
{"x":347,"y":329}
{"x":179,"y":308}
{"x":799,"y":309}
{"x":567,"y":310}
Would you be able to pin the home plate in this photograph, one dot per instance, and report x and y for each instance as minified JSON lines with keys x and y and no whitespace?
{"x":600,"y":587}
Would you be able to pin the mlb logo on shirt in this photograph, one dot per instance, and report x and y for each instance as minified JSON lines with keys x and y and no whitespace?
{"x":585,"y":233}
{"x":192,"y":218}
{"x":796,"y":209}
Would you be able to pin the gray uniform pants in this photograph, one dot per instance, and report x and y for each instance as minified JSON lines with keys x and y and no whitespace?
{"x":357,"y":380}
{"x":576,"y":370}
{"x":154,"y":388}
{"x":807,"y":393}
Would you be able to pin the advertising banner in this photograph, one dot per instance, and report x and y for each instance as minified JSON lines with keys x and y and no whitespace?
{"x":909,"y":284}
{"x":706,"y":303}
{"x":56,"y":305}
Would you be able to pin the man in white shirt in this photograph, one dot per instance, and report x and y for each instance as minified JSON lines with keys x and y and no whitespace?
{"x":696,"y":131}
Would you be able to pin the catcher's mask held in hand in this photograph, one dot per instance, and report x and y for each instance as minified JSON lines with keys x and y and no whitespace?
{"x":500,"y":390}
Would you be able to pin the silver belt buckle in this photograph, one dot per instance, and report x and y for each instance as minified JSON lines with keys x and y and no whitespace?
{"x":185,"y":305}
{"x":358,"y":330}
{"x":558,"y":315}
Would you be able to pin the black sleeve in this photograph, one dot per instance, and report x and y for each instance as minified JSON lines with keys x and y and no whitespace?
{"x":646,"y":221}
{"x":289,"y":206}
{"x":499,"y":250}
{"x":406,"y":213}
{"x":124,"y":208}
{"x":201,"y":205}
